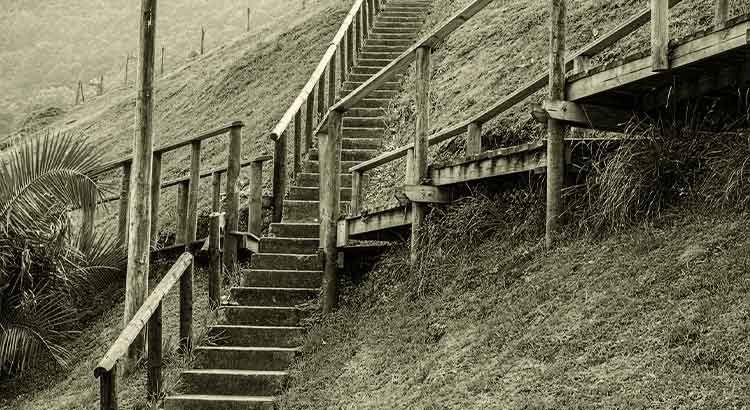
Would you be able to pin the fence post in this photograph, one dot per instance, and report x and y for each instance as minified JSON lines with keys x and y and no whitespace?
{"x":474,"y":139}
{"x":349,"y":49}
{"x":194,"y":192}
{"x":659,"y":35}
{"x":343,"y":67}
{"x":721,"y":13}
{"x":232,"y":196}
{"x":255,"y":202}
{"x":365,"y":20}
{"x":279,"y":177}
{"x":122,"y":223}
{"x":182,"y":211}
{"x":330,"y":163}
{"x":214,"y":243}
{"x":297,"y":160}
{"x":581,"y":64}
{"x":419,"y":169}
{"x":358,"y":30}
{"x":556,"y":130}
{"x":155,"y":198}
{"x":322,"y":108}
{"x":356,"y":203}
{"x":153,"y":377}
{"x":108,"y":390}
{"x":203,"y":37}
{"x":332,"y":81}
{"x":309,"y":118}
{"x":410,"y":167}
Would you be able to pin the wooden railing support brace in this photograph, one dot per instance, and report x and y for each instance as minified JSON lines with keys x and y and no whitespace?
{"x":659,"y":35}
{"x":474,"y":139}
{"x":330,"y":192}
{"x":419,"y":169}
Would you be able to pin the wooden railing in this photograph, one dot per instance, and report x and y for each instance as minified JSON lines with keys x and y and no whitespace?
{"x":343,"y":50}
{"x":149,"y":314}
{"x":188,"y":190}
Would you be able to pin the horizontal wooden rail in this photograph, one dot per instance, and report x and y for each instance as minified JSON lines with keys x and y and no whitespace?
{"x":514,"y":98}
{"x":171,"y":147}
{"x":140,"y":319}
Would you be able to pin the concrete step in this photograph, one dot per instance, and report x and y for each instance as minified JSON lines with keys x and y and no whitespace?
{"x":313,"y":194}
{"x":295,"y":230}
{"x":389,"y":87}
{"x":351,"y":154}
{"x":313,"y":179}
{"x":379,"y":55}
{"x":287,"y":336}
{"x":386,"y":95}
{"x":289,"y":245}
{"x":261,"y":316}
{"x":405,"y":43}
{"x":365,"y":132}
{"x":230,"y":382}
{"x":304,"y":211}
{"x":281,"y":278}
{"x":284,"y":261}
{"x":418,"y":20}
{"x":373,"y":102}
{"x":362,"y":143}
{"x":403,"y":31}
{"x":372,"y":62}
{"x":366,"y":112}
{"x":367,"y":122}
{"x":218,"y":402}
{"x":244,"y":358}
{"x":280,"y":297}
{"x":365,"y":71}
{"x":313,"y":166}
{"x":371,"y":48}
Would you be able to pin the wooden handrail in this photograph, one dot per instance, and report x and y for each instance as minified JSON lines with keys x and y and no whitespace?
{"x":319,"y":71}
{"x":171,"y":147}
{"x":517,"y":96}
{"x":120,"y":347}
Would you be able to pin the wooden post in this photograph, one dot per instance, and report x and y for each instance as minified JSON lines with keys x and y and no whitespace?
{"x":182,"y":212}
{"x":474,"y":139}
{"x":343,"y":67}
{"x":255,"y":202}
{"x":581,"y":64}
{"x":297,"y":160}
{"x":108,"y":390}
{"x":410,"y":167}
{"x":660,"y":35}
{"x":83,"y":95}
{"x":101,"y":84}
{"x":322,"y":108}
{"x":127,"y":63}
{"x":139,"y":241}
{"x":332,"y":82}
{"x":721,"y":13}
{"x":248,"y":19}
{"x":279,"y":177}
{"x":155,"y":198}
{"x":232,"y":196}
{"x":377,"y":6}
{"x":309,"y":115}
{"x":78,"y":93}
{"x":424,"y":73}
{"x":330,"y":163}
{"x":370,"y":13}
{"x":153,"y":377}
{"x":214,"y":244}
{"x":356,"y":203}
{"x":191,"y":232}
{"x":162,"y":60}
{"x":349,"y":49}
{"x":122,"y":223}
{"x":203,"y":37}
{"x":358,"y":30}
{"x":556,"y":130}
{"x":365,"y":20}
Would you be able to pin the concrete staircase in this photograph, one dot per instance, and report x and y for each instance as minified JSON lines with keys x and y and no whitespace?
{"x":262,"y":334}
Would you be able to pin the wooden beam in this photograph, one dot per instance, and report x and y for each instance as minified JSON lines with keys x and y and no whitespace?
{"x":474,"y":139}
{"x":330,"y":193}
{"x":279,"y":177}
{"x":122,"y":216}
{"x":191,"y":228}
{"x":297,"y":144}
{"x":232,"y":197}
{"x":154,"y":376}
{"x":182,"y":211}
{"x":427,"y":194}
{"x":504,"y":161}
{"x":255,"y":201}
{"x":588,"y":116}
{"x":421,"y":143}
{"x":155,"y":198}
{"x":108,"y":389}
{"x":721,"y":13}
{"x":356,"y":202}
{"x":383,"y":220}
{"x":309,"y":122}
{"x":659,"y":35}
{"x":139,"y":243}
{"x":214,"y":245}
{"x":332,"y":82}
{"x":322,"y":108}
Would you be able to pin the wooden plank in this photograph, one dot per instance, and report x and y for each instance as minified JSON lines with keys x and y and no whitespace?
{"x":491,"y":164}
{"x":134,"y":326}
{"x":155,"y":198}
{"x":255,"y":201}
{"x":588,"y":116}
{"x":421,"y":143}
{"x":108,"y":389}
{"x":721,"y":13}
{"x":330,"y":194}
{"x":214,"y":245}
{"x":659,"y":35}
{"x":409,"y":175}
{"x":153,"y":376}
{"x":309,"y":123}
{"x":356,"y":202}
{"x":279,"y":178}
{"x":427,"y":194}
{"x":122,"y":216}
{"x":332,"y":82}
{"x":322,"y":108}
{"x":350,"y":49}
{"x":232,"y":197}
{"x":194,"y":192}
{"x":297,"y":160}
{"x":379,"y":221}
{"x":474,"y":139}
{"x":182,"y":211}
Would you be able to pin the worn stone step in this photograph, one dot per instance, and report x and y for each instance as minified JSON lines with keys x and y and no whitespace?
{"x":294,"y":230}
{"x":418,"y":19}
{"x":228,"y":382}
{"x":218,"y":402}
{"x":368,"y":122}
{"x":244,"y":358}
{"x":281,"y":297}
{"x":366,"y":132}
{"x":393,"y":36}
{"x":282,"y":278}
{"x":350,"y":154}
{"x":305,"y":211}
{"x":285,"y":261}
{"x":299,"y":193}
{"x":313,"y":179}
{"x":289,"y":245}
{"x":356,"y":80}
{"x":361,"y":143}
{"x":313,"y":166}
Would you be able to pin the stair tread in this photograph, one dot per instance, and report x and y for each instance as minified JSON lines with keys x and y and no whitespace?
{"x":237,"y":372}
{"x":276,"y":288}
{"x":221,"y":397}
{"x":250,"y":349}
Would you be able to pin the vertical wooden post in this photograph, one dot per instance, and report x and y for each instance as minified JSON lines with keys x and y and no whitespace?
{"x":332,"y":82}
{"x":370,"y":13}
{"x":203,"y":37}
{"x":424,"y":74}
{"x":721,"y":13}
{"x":101,"y":84}
{"x":659,"y":35}
{"x":78,"y":93}
{"x":474,"y":139}
{"x":162,"y":60}
{"x":322,"y":107}
{"x":279,"y":177}
{"x":182,"y":212}
{"x":155,"y":198}
{"x":139,"y":241}
{"x":108,"y":390}
{"x":122,"y":223}
{"x":297,"y":160}
{"x":556,"y":130}
{"x":309,"y":115}
{"x":214,"y":243}
{"x":365,"y":20}
{"x":343,"y":66}
{"x":356,"y":203}
{"x":255,"y":202}
{"x":410,"y":167}
{"x":153,"y":377}
{"x":349,"y":49}
{"x":232,"y":196}
{"x":127,"y":63}
{"x":377,"y":6}
{"x":358,"y":30}
{"x":248,"y":19}
{"x":191,"y":232}
{"x":581,"y":64}
{"x":330,"y":163}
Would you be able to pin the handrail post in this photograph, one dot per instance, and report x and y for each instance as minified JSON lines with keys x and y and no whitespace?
{"x":233,"y":197}
{"x":255,"y":202}
{"x":343,"y":67}
{"x":155,"y":198}
{"x":322,"y":96}
{"x":332,"y":81}
{"x":410,"y":167}
{"x":154,"y":378}
{"x":297,"y":160}
{"x":194,"y":191}
{"x":214,"y":244}
{"x":108,"y":390}
{"x":474,"y":139}
{"x":330,"y":184}
{"x":349,"y":49}
{"x":182,"y":211}
{"x":377,"y":6}
{"x":279,"y":177}
{"x":659,"y":35}
{"x":122,"y":216}
{"x":424,"y":74}
{"x":721,"y":13}
{"x":556,"y":130}
{"x":365,"y":20}
{"x":581,"y":64}
{"x":309,"y":118}
{"x":359,"y":30}
{"x":356,"y":203}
